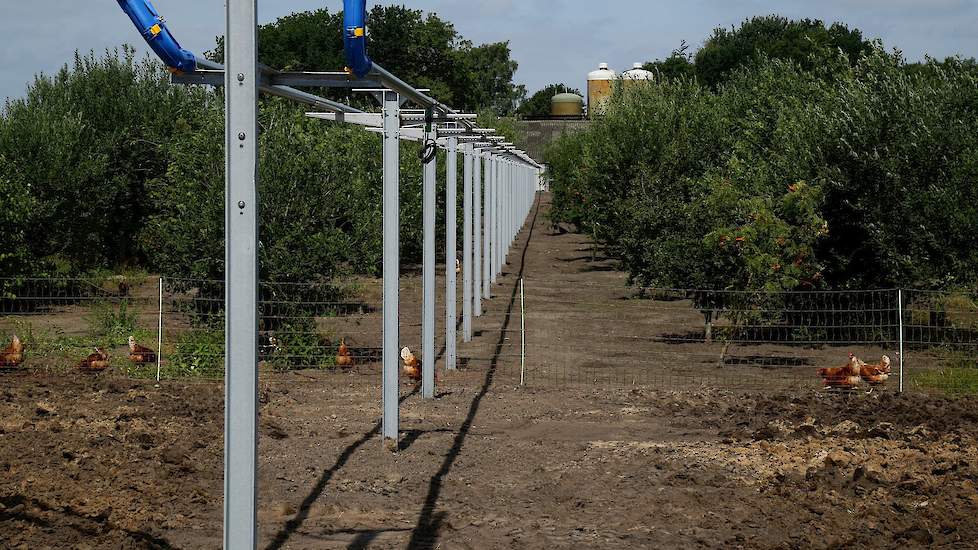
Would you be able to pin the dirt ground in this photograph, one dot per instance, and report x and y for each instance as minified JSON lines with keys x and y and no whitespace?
{"x":108,"y":462}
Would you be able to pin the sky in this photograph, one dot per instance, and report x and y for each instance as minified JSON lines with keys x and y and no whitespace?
{"x":553,"y":40}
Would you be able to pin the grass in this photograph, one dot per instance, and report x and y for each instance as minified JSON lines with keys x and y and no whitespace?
{"x":111,"y":325}
{"x":953,"y":381}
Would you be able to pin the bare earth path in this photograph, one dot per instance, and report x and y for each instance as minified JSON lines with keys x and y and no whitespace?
{"x":112,"y":463}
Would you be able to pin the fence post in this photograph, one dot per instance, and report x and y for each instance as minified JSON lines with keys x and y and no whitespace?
{"x":900,"y":335}
{"x":522,"y":335}
{"x":159,"y":335}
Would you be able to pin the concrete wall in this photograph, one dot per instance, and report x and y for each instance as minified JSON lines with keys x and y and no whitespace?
{"x":540,"y":133}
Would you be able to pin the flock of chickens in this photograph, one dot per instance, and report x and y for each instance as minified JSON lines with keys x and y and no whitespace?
{"x":849,"y":376}
{"x":13,"y":355}
{"x":855,"y":372}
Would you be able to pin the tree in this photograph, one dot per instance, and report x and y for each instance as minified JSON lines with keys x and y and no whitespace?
{"x":422,"y":49}
{"x":807,"y":42}
{"x":538,"y":105}
{"x":80,"y":149}
{"x":784,"y":178}
{"x":676,"y":66}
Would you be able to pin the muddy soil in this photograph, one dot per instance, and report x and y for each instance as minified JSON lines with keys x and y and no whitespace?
{"x":107,"y":462}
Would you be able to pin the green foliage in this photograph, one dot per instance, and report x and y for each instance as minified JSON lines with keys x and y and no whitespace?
{"x":75,"y":157}
{"x":422,"y":49}
{"x":538,"y":105}
{"x":106,"y":166}
{"x":677,"y":66}
{"x":806,"y":42}
{"x":112,"y":325}
{"x":197,"y":353}
{"x":301,"y":346}
{"x":784,"y":178}
{"x":955,"y":381}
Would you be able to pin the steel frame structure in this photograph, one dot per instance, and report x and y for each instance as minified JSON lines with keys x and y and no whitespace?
{"x":504,"y":205}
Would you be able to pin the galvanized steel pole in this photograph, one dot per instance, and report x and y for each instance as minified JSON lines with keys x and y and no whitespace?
{"x":451,"y":252}
{"x":487,"y":230}
{"x":494,"y":225}
{"x":428,"y":280}
{"x":392,"y":267}
{"x":467,"y":243}
{"x":241,"y":276}
{"x":477,"y":223}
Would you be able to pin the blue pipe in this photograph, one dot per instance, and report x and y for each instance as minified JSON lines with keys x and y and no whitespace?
{"x":149,"y":24}
{"x":355,"y":37}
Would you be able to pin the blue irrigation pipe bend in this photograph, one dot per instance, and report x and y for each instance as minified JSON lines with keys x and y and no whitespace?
{"x":153,"y":28}
{"x":355,"y":37}
{"x":355,"y":46}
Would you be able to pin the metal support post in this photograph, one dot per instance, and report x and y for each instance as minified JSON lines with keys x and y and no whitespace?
{"x":487,"y":229}
{"x":477,"y":238}
{"x":430,"y":173}
{"x":496,"y":219}
{"x":392,"y":267}
{"x":467,"y":243}
{"x":241,"y":277}
{"x":451,"y":252}
{"x":494,"y":225}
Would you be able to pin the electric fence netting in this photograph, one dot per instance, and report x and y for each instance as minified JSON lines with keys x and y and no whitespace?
{"x":682,"y":339}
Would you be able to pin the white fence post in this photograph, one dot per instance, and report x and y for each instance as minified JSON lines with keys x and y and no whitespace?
{"x":900,"y":336}
{"x":159,"y":335}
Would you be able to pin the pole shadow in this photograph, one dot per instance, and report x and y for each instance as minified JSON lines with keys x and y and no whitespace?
{"x":293,"y":525}
{"x":428,"y":528}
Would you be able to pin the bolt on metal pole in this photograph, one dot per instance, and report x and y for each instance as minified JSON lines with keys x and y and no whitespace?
{"x":392,"y":267}
{"x":430,"y":173}
{"x":451,"y":253}
{"x":467,"y":243}
{"x":241,"y":276}
{"x":477,"y":238}
{"x":487,"y":229}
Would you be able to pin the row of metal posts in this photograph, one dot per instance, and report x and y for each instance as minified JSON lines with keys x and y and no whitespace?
{"x":502,"y":207}
{"x":490,"y":225}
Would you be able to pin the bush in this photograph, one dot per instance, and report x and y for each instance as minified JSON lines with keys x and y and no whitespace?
{"x":197,"y":353}
{"x":784,"y":178}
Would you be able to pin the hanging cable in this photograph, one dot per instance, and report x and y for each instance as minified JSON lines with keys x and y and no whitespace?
{"x":430,"y":147}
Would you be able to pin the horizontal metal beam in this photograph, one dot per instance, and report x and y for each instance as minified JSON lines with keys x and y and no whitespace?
{"x":206,"y":66}
{"x":304,"y":80}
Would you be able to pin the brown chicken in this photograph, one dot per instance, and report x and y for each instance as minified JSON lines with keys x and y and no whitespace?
{"x":96,"y":362}
{"x":875,"y":375}
{"x":343,"y":356}
{"x":412,"y":365}
{"x":846,"y":377}
{"x":139,"y":354}
{"x":12,"y":355}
